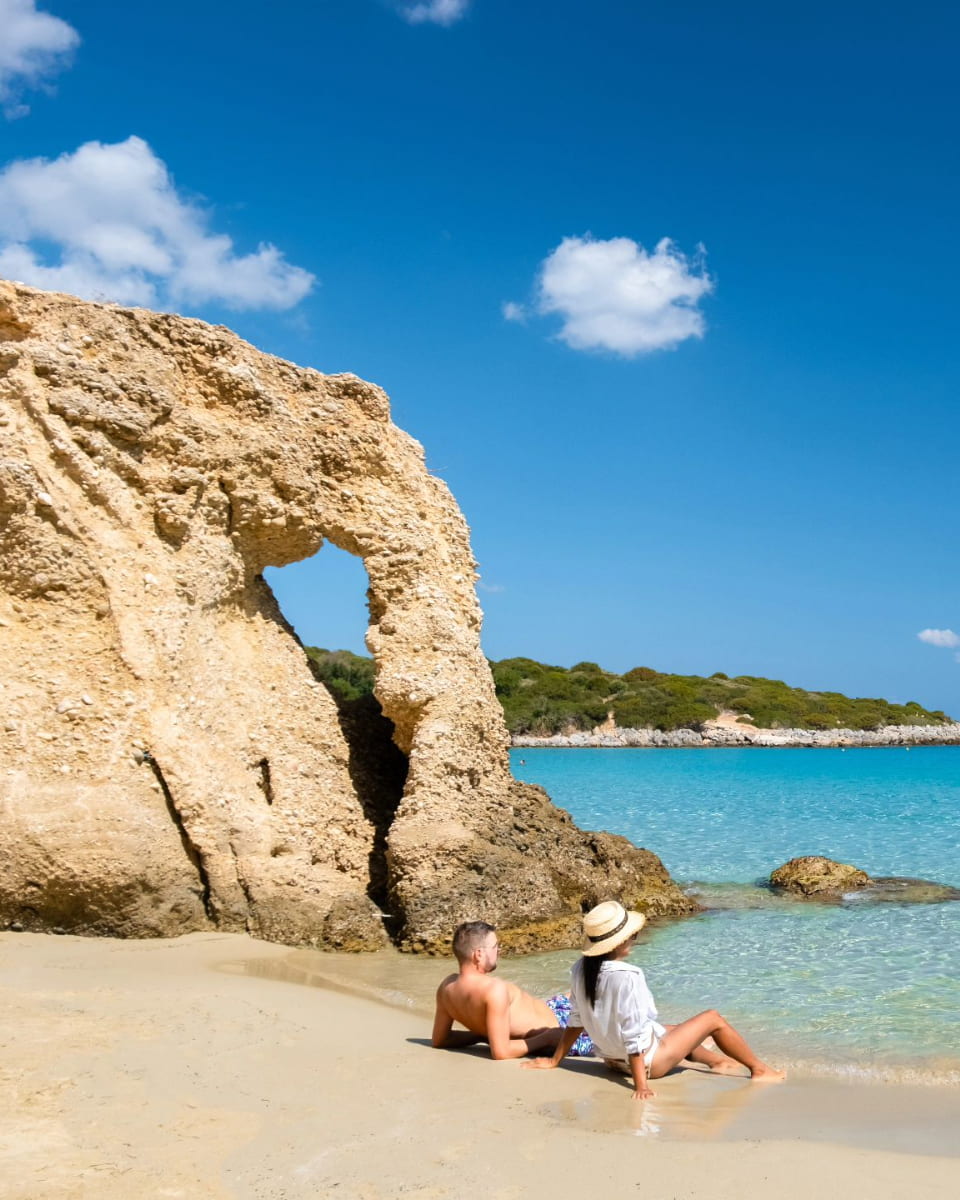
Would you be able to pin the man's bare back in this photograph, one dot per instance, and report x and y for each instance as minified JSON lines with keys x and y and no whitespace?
{"x":493,"y":1010}
{"x":468,"y":1001}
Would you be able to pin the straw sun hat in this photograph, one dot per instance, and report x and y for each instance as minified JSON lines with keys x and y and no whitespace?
{"x":607,"y":925}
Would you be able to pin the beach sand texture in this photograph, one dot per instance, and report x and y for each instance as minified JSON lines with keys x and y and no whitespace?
{"x":180,"y":1068}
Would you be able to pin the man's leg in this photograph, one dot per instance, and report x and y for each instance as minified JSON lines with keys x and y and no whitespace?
{"x":544,"y":1041}
{"x":559,"y":1005}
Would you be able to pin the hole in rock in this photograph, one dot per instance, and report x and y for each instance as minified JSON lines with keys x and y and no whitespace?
{"x":265,"y":781}
{"x":324,"y":599}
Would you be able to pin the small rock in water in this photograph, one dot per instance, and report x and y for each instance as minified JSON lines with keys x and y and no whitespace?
{"x":813,"y":875}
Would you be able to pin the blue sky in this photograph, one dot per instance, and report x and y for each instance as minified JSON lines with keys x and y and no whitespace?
{"x":733,"y":450}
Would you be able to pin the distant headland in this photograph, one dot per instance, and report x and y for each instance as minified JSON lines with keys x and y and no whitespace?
{"x":723,"y":732}
{"x":584,"y":705}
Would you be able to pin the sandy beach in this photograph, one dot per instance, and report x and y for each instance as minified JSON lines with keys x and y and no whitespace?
{"x":209,"y":1067}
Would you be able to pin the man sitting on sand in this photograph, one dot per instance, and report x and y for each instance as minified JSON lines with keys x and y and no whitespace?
{"x":496,"y":1011}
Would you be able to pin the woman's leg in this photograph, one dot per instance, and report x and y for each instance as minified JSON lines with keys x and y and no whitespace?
{"x":720,"y":1064}
{"x":681,"y":1040}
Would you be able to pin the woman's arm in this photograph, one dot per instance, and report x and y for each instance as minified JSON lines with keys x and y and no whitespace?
{"x":637,"y":1026}
{"x":638,"y":1069}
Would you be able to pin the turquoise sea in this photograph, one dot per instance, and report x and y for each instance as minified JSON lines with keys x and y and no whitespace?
{"x":858,"y":989}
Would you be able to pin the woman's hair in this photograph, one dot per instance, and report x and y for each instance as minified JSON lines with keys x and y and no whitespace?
{"x":591,"y":974}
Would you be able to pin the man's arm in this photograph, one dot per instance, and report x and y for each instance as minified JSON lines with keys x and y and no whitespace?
{"x":567,"y":1038}
{"x":444,"y":1035}
{"x":502,"y":1045}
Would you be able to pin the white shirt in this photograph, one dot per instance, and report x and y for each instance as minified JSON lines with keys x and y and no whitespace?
{"x":624,"y":1019}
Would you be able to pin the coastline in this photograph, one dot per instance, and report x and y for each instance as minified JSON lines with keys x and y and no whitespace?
{"x":196,"y":1067}
{"x":725,"y":732}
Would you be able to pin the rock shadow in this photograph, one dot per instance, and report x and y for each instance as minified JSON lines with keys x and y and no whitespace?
{"x":378,"y":772}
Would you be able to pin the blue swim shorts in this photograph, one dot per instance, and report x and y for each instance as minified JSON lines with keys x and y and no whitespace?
{"x":559,"y":1005}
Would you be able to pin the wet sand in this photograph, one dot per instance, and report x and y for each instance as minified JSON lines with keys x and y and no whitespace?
{"x":204,"y":1067}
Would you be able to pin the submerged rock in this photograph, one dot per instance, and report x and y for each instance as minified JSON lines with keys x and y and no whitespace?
{"x":168,"y":762}
{"x":811,"y":875}
{"x":899,"y":889}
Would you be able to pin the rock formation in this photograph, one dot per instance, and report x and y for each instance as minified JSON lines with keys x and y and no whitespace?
{"x":811,"y":875}
{"x":168,"y":761}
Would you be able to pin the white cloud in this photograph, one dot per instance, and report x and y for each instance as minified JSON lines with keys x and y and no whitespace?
{"x":33,"y":46}
{"x":435,"y":12}
{"x":122,"y":232}
{"x":939,"y":637}
{"x":615,"y":295}
{"x":493,"y":588}
{"x":513,"y":311}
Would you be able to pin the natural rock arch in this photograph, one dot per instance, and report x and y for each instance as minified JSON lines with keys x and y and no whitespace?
{"x":168,"y":761}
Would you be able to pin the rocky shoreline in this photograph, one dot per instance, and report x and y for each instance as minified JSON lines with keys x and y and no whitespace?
{"x":722,"y":733}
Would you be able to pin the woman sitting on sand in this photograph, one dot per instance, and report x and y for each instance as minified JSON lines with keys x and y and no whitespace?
{"x":611,"y":1000}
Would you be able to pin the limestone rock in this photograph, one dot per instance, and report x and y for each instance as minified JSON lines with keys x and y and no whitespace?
{"x":527,"y":868}
{"x":167,"y":760}
{"x":812,"y":875}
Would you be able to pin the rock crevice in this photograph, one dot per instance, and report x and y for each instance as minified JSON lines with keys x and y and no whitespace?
{"x":189,"y":849}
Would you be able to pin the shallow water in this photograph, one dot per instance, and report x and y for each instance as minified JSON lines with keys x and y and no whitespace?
{"x":854,"y":988}
{"x":734,"y":815}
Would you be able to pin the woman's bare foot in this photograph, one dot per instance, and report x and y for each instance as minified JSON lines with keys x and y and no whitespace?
{"x":765,"y":1074}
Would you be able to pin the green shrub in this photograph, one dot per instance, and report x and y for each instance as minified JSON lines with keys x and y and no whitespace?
{"x":641,"y":674}
{"x":347,"y":675}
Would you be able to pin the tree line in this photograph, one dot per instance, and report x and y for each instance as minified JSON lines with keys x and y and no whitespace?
{"x":540,"y":699}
